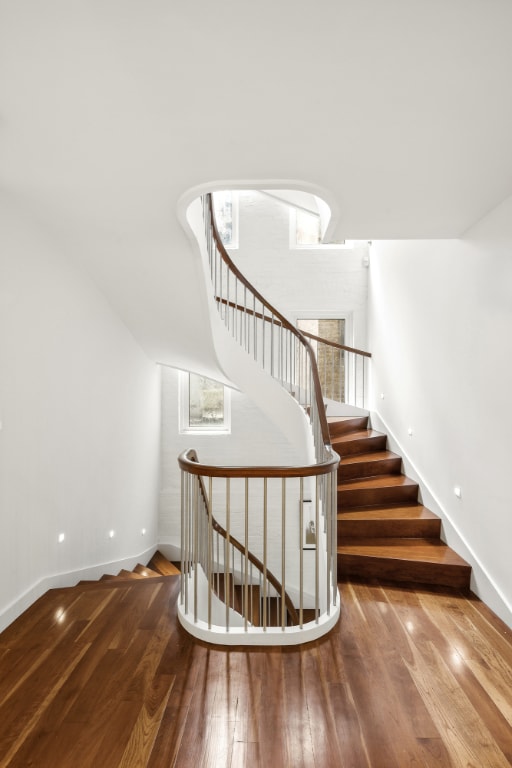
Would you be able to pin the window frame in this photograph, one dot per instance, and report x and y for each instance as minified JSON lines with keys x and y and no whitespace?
{"x":295,"y":246}
{"x":235,"y":216}
{"x":185,"y":428}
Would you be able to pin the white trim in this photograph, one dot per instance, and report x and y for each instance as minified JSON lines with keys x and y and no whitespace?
{"x":482,"y":584}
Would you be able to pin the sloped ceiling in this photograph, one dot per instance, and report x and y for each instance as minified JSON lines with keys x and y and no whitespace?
{"x":112,"y":109}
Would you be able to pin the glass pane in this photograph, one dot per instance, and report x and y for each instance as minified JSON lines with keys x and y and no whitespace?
{"x":223,"y":206}
{"x":308,"y":228}
{"x":206,"y":402}
{"x":330,"y":360}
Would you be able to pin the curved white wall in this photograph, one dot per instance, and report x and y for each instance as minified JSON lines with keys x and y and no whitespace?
{"x":440,"y":330}
{"x":79,"y":406}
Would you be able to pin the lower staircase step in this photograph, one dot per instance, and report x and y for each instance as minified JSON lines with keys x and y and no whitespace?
{"x":428,"y":561}
{"x":362,"y":465}
{"x":390,"y":521}
{"x":161,"y":565}
{"x":382,"y":489}
{"x":129,"y":574}
{"x":145,"y":571}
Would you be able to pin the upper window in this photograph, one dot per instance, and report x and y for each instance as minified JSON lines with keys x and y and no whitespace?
{"x":307,"y":228}
{"x":306,"y":231}
{"x":205,"y":405}
{"x":225,"y":204}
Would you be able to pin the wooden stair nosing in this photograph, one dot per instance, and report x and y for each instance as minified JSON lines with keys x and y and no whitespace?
{"x":360,"y":465}
{"x":409,"y":571}
{"x":117,"y":581}
{"x":420,"y":550}
{"x":410,"y":509}
{"x":411,"y":520}
{"x":342,"y":425}
{"x":363,"y":441}
{"x":405,"y":528}
{"x":377,"y":481}
{"x":129,"y":574}
{"x":411,"y":560}
{"x":377,"y":490}
{"x":162,"y":565}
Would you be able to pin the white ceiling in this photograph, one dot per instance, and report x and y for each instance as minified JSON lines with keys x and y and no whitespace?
{"x":110,"y":110}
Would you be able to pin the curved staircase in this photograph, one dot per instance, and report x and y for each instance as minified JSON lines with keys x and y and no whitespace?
{"x":383,"y":530}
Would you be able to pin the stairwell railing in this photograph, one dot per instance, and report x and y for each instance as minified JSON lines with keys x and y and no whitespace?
{"x":241,"y":525}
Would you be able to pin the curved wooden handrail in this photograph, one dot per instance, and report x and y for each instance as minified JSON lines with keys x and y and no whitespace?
{"x":191,"y":457}
{"x":241,"y":308}
{"x":192,"y":466}
{"x":284,"y":322}
{"x":337,"y":346}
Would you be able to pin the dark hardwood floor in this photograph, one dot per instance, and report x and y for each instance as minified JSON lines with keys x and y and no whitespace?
{"x":103,"y":675}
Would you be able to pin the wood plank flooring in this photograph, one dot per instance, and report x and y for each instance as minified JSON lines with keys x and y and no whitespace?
{"x":103,"y":676}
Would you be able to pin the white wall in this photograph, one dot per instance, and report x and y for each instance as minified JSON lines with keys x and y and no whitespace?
{"x":440,"y":335}
{"x":316,"y":282}
{"x":79,"y":406}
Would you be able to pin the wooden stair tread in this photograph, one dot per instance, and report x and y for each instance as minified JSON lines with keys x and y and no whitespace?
{"x":343,"y":419}
{"x":118,"y":581}
{"x":388,"y":512}
{"x":145,"y":571}
{"x":360,"y":434}
{"x":377,"y":481}
{"x":422,"y":550}
{"x":129,"y":574}
{"x":339,"y":425}
{"x":360,"y":458}
{"x":161,"y":565}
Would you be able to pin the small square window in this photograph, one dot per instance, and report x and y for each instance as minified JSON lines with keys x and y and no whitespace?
{"x":225,"y":204}
{"x":205,"y":405}
{"x":307,"y":228}
{"x":306,"y":232}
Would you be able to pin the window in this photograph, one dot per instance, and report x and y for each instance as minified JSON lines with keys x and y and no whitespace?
{"x":307,"y":228}
{"x":225,"y":204}
{"x":330,"y":360}
{"x":306,"y":231}
{"x":205,"y":405}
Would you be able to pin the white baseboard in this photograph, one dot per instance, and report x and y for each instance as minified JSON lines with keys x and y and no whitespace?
{"x":481,"y":582}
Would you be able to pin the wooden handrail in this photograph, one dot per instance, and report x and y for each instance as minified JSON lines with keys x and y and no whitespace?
{"x":285,"y":323}
{"x":338,"y":346}
{"x":192,"y":458}
{"x":189,"y":464}
{"x":248,"y":311}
